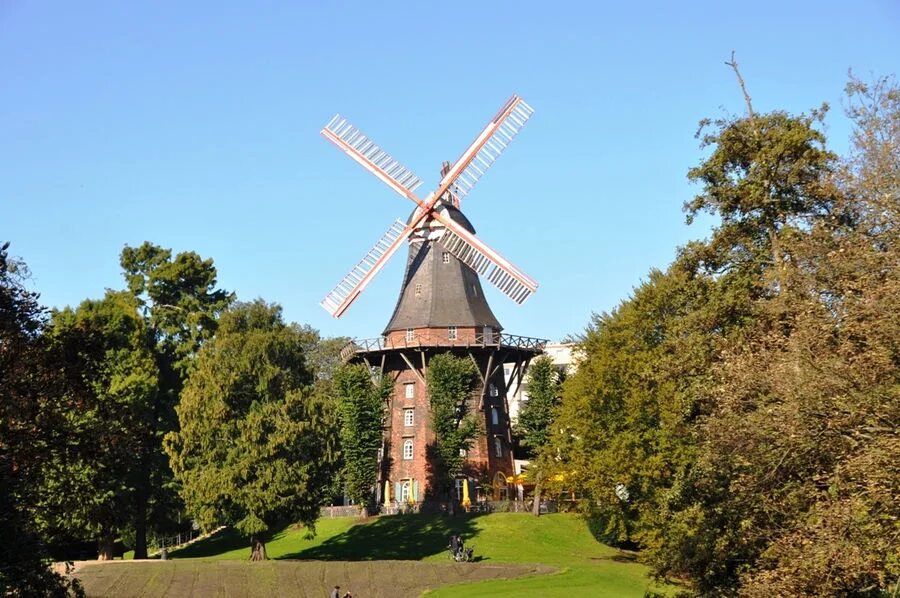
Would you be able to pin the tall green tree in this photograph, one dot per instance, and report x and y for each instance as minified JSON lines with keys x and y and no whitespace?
{"x":180,"y":303}
{"x":256,"y":445}
{"x":31,"y":421}
{"x":360,"y":404}
{"x":537,"y":413}
{"x":110,"y":379}
{"x":451,"y":381}
{"x":536,"y":416}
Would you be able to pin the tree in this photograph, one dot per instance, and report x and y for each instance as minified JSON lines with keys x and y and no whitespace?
{"x":360,"y":404}
{"x":451,"y":382}
{"x":110,"y":380}
{"x":766,"y":178}
{"x":180,"y":303}
{"x":30,"y":414}
{"x":255,"y":448}
{"x":536,"y":415}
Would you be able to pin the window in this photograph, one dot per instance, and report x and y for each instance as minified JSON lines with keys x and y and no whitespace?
{"x":459,"y":488}
{"x":404,"y":491}
{"x":494,"y":391}
{"x":498,"y":447}
{"x":408,"y":449}
{"x":451,"y":333}
{"x":463,"y":453}
{"x":507,"y":372}
{"x":380,"y":454}
{"x":410,"y":334}
{"x":408,"y":417}
{"x":446,"y":257}
{"x":418,"y":289}
{"x":495,"y":416}
{"x":410,"y":390}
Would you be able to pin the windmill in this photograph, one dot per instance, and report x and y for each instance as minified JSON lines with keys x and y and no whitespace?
{"x":457,"y":181}
{"x":441,"y":308}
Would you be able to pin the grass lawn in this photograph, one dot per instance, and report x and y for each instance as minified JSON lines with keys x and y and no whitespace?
{"x":584,"y":567}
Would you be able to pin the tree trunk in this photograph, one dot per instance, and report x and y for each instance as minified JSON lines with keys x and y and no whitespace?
{"x":140,"y":529}
{"x":257,"y":549}
{"x":105,"y":548}
{"x":451,"y":503}
{"x":536,"y":507}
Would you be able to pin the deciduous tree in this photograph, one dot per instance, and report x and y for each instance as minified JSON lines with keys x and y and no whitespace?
{"x":360,"y":403}
{"x":451,"y":382}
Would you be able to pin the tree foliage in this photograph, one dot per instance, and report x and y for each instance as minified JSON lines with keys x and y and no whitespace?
{"x":180,"y":304}
{"x":31,"y":414}
{"x":256,"y":445}
{"x":110,"y":380}
{"x":360,"y":404}
{"x":746,"y":400}
{"x":537,"y":413}
{"x":451,"y":381}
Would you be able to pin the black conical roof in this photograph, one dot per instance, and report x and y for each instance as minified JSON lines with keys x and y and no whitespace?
{"x":435,"y":294}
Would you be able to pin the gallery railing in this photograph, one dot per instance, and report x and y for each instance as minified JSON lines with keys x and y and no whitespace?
{"x":436,"y":338}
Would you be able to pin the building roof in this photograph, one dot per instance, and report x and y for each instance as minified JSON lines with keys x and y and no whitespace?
{"x":435,"y":294}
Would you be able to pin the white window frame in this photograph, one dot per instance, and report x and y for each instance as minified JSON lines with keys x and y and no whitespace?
{"x":410,"y":334}
{"x":405,"y":491}
{"x":452,"y":333}
{"x":495,"y":416}
{"x":409,"y":417}
{"x":446,"y":257}
{"x":408,"y":449}
{"x":458,"y":484}
{"x":409,"y":391}
{"x":498,"y":446}
{"x":493,"y":390}
{"x":418,"y":289}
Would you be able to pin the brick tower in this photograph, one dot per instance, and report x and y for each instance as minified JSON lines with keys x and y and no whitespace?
{"x":441,"y":309}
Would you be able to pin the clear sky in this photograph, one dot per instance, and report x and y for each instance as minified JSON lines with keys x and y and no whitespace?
{"x":195,"y":125}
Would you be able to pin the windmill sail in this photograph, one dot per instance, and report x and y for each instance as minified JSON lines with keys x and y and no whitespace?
{"x":489,"y":264}
{"x":348,"y":289}
{"x":374,"y":159}
{"x":500,"y":133}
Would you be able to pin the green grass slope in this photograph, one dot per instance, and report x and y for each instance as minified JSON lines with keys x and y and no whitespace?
{"x":587,"y":567}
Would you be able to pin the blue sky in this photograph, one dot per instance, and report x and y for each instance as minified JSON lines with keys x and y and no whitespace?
{"x":195,"y":125}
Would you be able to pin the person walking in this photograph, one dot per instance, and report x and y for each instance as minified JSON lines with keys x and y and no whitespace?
{"x":336,"y":592}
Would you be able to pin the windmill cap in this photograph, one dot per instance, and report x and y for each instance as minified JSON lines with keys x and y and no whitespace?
{"x":450,"y":210}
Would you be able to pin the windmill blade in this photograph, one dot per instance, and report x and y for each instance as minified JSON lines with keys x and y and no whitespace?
{"x":486,"y":148}
{"x":374,"y":159}
{"x":348,"y":289}
{"x":489,"y":264}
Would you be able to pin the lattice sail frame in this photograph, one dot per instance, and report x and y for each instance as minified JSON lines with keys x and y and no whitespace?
{"x":459,"y":180}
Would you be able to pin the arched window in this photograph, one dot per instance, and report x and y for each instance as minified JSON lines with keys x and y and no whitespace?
{"x":408,"y":449}
{"x":495,"y":416}
{"x":498,"y":446}
{"x":500,"y":488}
{"x":404,"y":491}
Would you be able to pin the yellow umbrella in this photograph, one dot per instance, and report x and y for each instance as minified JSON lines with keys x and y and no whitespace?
{"x":465,"y":501}
{"x":387,"y":493}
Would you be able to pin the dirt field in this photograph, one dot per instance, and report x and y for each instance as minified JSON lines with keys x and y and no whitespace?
{"x":313,"y":579}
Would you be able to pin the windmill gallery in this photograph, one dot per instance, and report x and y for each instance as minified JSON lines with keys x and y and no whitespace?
{"x":441,"y":309}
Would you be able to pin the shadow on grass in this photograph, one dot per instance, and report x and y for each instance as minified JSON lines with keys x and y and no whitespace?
{"x":394,"y":537}
{"x":224,"y":540}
